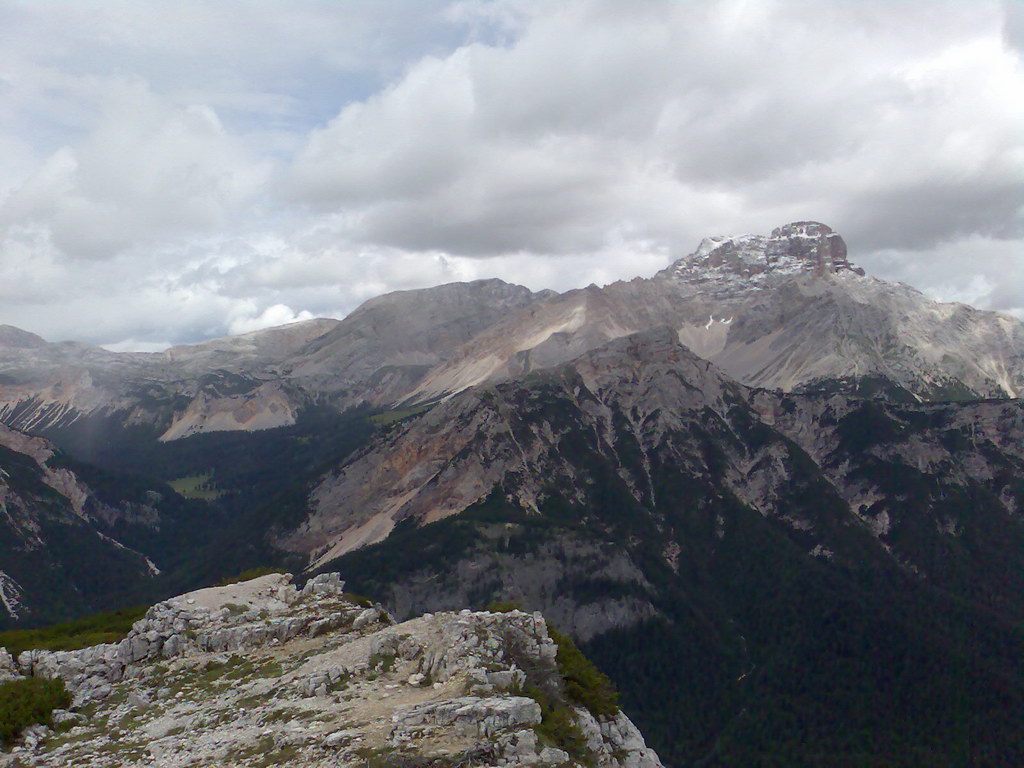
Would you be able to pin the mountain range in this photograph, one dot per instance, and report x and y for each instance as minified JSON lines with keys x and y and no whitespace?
{"x":787,"y":311}
{"x":777,"y":499}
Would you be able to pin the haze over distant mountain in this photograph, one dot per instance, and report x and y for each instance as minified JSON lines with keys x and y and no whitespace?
{"x":786,"y":311}
{"x":256,"y":381}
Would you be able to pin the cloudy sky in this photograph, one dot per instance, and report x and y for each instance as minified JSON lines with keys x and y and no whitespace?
{"x":172,"y":171}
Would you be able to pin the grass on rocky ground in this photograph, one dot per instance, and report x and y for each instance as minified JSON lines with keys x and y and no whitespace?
{"x":197,"y":487}
{"x":384,"y":418}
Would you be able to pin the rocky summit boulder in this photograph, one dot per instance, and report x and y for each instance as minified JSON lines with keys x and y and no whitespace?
{"x":262,"y":673}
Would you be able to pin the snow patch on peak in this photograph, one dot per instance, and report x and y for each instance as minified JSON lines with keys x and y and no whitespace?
{"x":711,"y":321}
{"x":708,"y":339}
{"x":803,"y":229}
{"x":738,"y":260}
{"x":747,"y":243}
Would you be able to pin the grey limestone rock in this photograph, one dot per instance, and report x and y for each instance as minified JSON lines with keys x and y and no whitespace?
{"x":553,"y":756}
{"x":218,"y":619}
{"x":253,"y":669}
{"x":466,"y":715}
{"x":138,"y":700}
{"x":366,"y":617}
{"x":617,"y":742}
{"x":324,"y":584}
{"x":61,"y":716}
{"x":8,"y":666}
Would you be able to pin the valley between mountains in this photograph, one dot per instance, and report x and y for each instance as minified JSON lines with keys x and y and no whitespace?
{"x":778,"y":501}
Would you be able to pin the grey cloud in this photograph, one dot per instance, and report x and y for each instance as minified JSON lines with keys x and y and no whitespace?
{"x":222,"y":169}
{"x":984,"y":272}
{"x":1013,"y":24}
{"x":924,"y":215}
{"x":514,"y":200}
{"x":146,"y":170}
{"x":842,"y":107}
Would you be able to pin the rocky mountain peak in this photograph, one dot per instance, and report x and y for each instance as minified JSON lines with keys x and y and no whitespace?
{"x":800,"y":247}
{"x":815,"y":245}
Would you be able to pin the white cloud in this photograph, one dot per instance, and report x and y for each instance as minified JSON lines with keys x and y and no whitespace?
{"x":146,"y":171}
{"x":167,"y":176}
{"x":278,"y":314}
{"x":980,"y":271}
{"x":134,"y":345}
{"x":542,"y":145}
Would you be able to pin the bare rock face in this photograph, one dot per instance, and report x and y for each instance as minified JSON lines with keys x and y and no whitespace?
{"x":261,"y":673}
{"x":253,"y":381}
{"x":638,"y":407}
{"x":265,"y":407}
{"x":15,"y":338}
{"x":454,"y":455}
{"x":802,"y":247}
{"x":38,"y":448}
{"x":819,"y":248}
{"x":249,"y":350}
{"x":785,"y":311}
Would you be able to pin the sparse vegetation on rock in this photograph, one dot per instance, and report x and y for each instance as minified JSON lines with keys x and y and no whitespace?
{"x":584,"y":683}
{"x":260,"y":673}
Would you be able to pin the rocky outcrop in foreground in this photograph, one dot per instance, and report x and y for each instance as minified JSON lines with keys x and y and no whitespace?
{"x":261,"y":673}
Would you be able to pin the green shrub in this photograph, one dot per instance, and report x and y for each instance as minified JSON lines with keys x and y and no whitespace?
{"x":581,"y":684}
{"x":504,"y":606}
{"x":361,"y":600}
{"x":29,"y":701}
{"x":383,"y":660}
{"x":557,"y":726}
{"x":109,"y":627}
{"x":585,"y":684}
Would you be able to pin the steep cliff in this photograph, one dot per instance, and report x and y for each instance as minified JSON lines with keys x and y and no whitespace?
{"x":74,"y":539}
